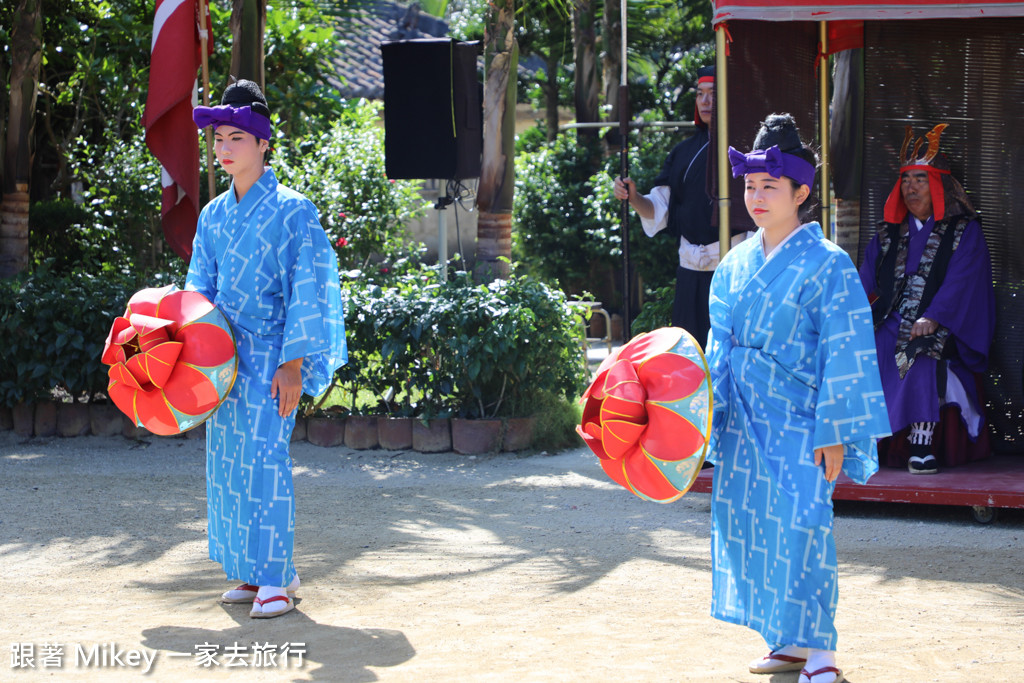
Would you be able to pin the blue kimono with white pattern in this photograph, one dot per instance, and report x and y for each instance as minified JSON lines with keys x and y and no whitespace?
{"x":268,"y":265}
{"x":793,"y":366}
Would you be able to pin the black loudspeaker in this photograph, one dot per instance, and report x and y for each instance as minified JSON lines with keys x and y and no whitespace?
{"x":433,"y":115}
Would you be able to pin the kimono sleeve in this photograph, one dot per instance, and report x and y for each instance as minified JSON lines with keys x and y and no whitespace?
{"x":719,"y":347}
{"x":965,"y":301}
{"x":850,"y":408}
{"x":868,"y":268}
{"x":314,"y":316}
{"x":202,"y":268}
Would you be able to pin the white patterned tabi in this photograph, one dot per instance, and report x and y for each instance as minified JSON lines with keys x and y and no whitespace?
{"x":268,"y":265}
{"x":793,"y":367}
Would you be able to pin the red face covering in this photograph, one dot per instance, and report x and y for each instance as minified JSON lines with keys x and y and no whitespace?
{"x":896,"y":208}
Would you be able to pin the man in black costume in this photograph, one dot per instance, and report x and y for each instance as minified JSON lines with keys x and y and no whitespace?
{"x":683,"y":202}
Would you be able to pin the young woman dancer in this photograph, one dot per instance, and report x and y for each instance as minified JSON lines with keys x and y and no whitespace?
{"x":797,"y":400}
{"x":262,"y":257}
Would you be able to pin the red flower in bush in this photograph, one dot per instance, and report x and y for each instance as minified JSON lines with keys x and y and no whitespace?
{"x":647,"y":414}
{"x":172,"y":358}
{"x":342,"y":242}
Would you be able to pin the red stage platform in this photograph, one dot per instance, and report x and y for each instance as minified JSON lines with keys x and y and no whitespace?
{"x":994,"y":483}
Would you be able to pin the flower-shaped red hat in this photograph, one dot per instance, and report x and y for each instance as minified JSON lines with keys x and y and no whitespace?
{"x":172,"y":357}
{"x":647,"y":414}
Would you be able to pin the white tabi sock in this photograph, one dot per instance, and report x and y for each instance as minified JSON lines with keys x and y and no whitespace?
{"x":792,"y":651}
{"x":816,"y":660}
{"x":266,"y":592}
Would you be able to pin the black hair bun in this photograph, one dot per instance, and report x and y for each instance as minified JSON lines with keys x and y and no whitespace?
{"x":778,"y":130}
{"x":243,"y":93}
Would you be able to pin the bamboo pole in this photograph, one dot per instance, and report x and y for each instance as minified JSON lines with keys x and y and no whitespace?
{"x":624,"y":114}
{"x":208,"y":130}
{"x":823,"y":132}
{"x":722,"y":128}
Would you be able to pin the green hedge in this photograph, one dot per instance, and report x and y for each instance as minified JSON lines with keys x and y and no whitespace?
{"x":52,"y":329}
{"x":432,"y":348}
{"x":424,"y":347}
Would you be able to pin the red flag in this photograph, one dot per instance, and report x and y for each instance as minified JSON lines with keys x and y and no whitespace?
{"x":170,"y":133}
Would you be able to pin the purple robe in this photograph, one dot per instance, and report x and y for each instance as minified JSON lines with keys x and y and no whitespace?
{"x":964,"y":303}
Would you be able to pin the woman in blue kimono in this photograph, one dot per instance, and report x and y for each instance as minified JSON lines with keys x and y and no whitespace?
{"x":262,"y":257}
{"x":798,"y":400}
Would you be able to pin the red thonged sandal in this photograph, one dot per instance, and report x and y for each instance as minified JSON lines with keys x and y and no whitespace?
{"x":260,"y":614}
{"x":809,"y":676}
{"x":243,"y":593}
{"x":773,"y":663}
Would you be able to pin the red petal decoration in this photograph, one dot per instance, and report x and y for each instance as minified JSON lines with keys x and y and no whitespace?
{"x":151,"y":330}
{"x":616,"y":470}
{"x":145,"y":301}
{"x":593,"y":441}
{"x":206,"y":345}
{"x":619,"y":436}
{"x":122,"y":393}
{"x":190,"y":391}
{"x":670,"y":377}
{"x":155,"y":414}
{"x":155,"y":366}
{"x":670,"y":436}
{"x":183,"y":307}
{"x":110,"y":346}
{"x":647,"y":479}
{"x":121,"y":374}
{"x":646,"y":346}
{"x":125,"y":335}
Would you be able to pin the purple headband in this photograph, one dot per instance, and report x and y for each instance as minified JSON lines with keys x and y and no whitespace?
{"x":243,"y":118}
{"x":772,"y":161}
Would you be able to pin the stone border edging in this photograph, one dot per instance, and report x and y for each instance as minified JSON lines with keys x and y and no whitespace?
{"x":358,"y":432}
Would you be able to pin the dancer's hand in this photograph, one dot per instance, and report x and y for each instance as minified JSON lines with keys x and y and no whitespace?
{"x":833,"y":457}
{"x":287,"y":386}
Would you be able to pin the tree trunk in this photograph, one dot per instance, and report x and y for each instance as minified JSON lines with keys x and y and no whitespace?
{"x":26,"y":54}
{"x":497,"y":177}
{"x":493,"y":240}
{"x":248,"y":22}
{"x":588,"y":84}
{"x":3,"y":118}
{"x":551,"y":118}
{"x":611,"y":56}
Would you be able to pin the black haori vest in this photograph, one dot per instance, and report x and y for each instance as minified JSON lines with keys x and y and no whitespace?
{"x":911,"y":295}
{"x":685,"y":173}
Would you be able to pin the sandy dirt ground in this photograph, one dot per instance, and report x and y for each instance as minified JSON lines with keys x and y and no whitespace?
{"x":440,"y":567}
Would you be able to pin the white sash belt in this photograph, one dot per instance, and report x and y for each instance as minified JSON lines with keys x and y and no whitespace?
{"x":703,"y":256}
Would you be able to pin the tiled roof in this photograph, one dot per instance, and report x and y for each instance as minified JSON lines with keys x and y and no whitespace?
{"x":359,"y":65}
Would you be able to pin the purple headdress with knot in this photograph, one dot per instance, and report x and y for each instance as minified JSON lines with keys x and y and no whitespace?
{"x":772,"y":161}
{"x":244,"y":118}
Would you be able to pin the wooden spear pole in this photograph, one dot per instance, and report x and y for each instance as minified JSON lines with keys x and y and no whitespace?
{"x":203,"y":42}
{"x":627,"y":296}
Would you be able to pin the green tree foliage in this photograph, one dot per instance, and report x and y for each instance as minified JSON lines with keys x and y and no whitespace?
{"x":340,"y":167}
{"x":89,"y":137}
{"x":555,"y":237}
{"x":668,"y":40}
{"x":568,"y":223}
{"x":299,"y":72}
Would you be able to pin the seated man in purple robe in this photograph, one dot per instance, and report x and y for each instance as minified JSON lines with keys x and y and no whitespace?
{"x":929,"y":280}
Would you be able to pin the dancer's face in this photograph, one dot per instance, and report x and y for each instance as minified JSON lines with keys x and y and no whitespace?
{"x":773,"y":203}
{"x":240,"y":153}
